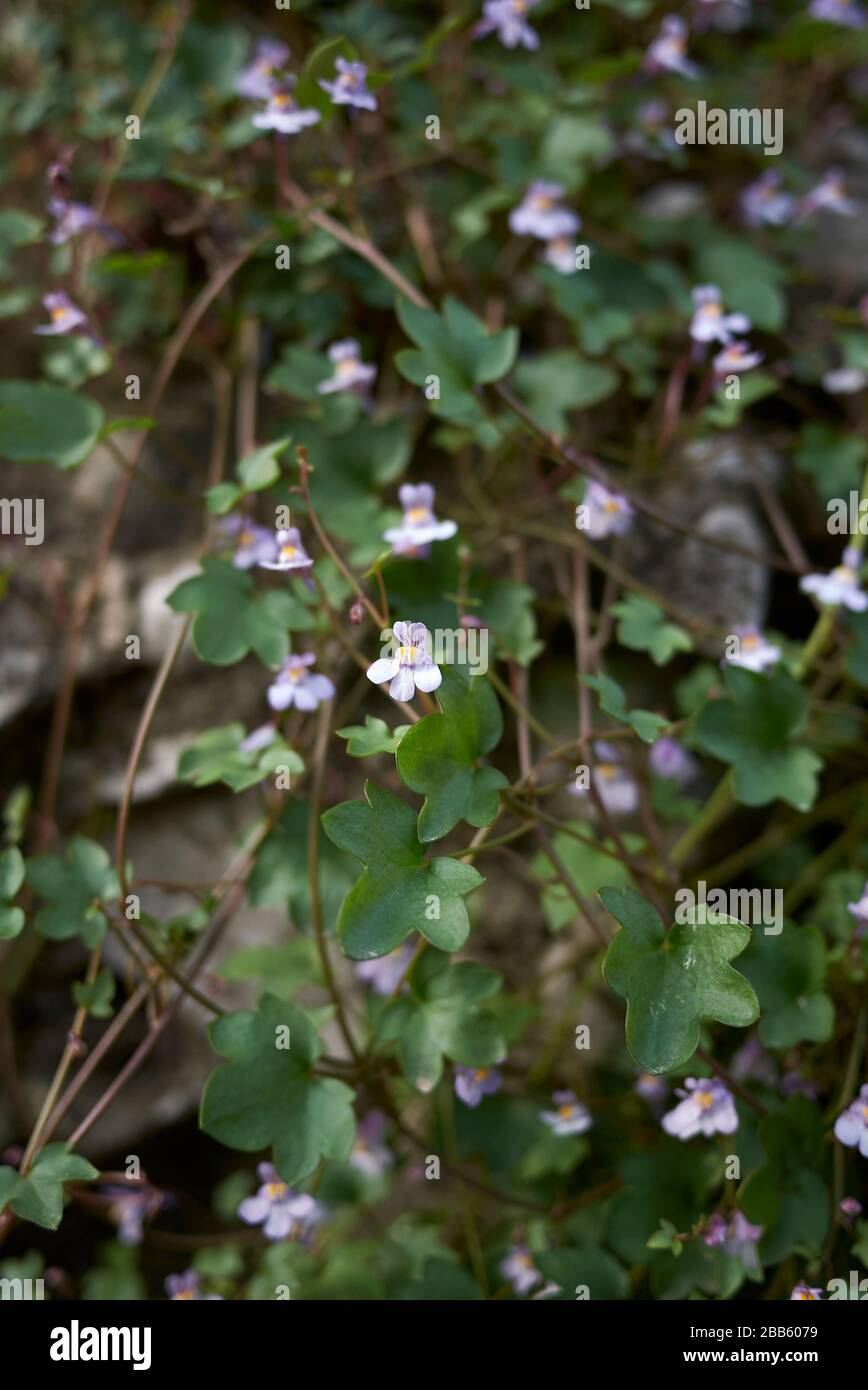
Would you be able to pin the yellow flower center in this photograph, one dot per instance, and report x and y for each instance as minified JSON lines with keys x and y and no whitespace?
{"x":59,"y":314}
{"x":710,"y":310}
{"x":542,"y":202}
{"x":288,"y":552}
{"x":704,"y":1099}
{"x":611,"y":505}
{"x":566,"y":1111}
{"x":608,"y":770}
{"x":417,"y":515}
{"x":407,"y":653}
{"x":480,"y":1073}
{"x":285,"y":100}
{"x":750,"y":641}
{"x":844,"y":574}
{"x":347,"y":366}
{"x":184,"y":1296}
{"x":276,"y":1191}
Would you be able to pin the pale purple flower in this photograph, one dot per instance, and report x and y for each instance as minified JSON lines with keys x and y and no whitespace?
{"x":519,"y":1269}
{"x":754,"y":652}
{"x":283,"y":113}
{"x":291,"y":554}
{"x":850,"y":1208}
{"x":282,"y":1213}
{"x":350,"y":86}
{"x":609,"y":514}
{"x":841,"y":586}
{"x":805,"y":1294}
{"x":258,"y":739}
{"x":668,"y":52}
{"x":472,"y":1083}
{"x":794,"y":1084}
{"x":845,"y":381}
{"x":710,"y":324}
{"x":736,"y":358}
{"x":351,"y":373}
{"x":70,"y":219}
{"x":256,"y":80}
{"x":736,"y":1236}
{"x":859,"y":910}
{"x":668,"y":759}
{"x":254,"y":545}
{"x":420,"y":526}
{"x":838,"y":12}
{"x":560,"y":254}
{"x":653,"y":1089}
{"x":369,"y":1154}
{"x":185,"y":1288}
{"x":569,"y":1117}
{"x":65,"y":316}
{"x":386,"y":972}
{"x":412,"y":667}
{"x":538,"y":214}
{"x":707,"y":1108}
{"x":131,"y":1204}
{"x":295,"y":686}
{"x":829,"y":195}
{"x":507,"y":19}
{"x":752,"y":1060}
{"x":726,"y":15}
{"x":612,"y":782}
{"x":851,"y":1128}
{"x":763,"y":204}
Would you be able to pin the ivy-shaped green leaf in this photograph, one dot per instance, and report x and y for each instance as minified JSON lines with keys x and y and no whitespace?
{"x":671,"y":982}
{"x":457,"y":348}
{"x":787,"y":1195}
{"x":400,"y":890}
{"x":97,"y":996}
{"x":255,"y":471}
{"x":755,"y":729}
{"x":216,"y":756}
{"x":11,"y":879}
{"x":643,"y":628}
{"x":444,"y":1014}
{"x":38,"y":1195}
{"x":437,"y":757}
{"x":269,"y":1094}
{"x":374,"y":736}
{"x":644,"y":722}
{"x":232,"y":619}
{"x":77,"y":887}
{"x":787,"y":970}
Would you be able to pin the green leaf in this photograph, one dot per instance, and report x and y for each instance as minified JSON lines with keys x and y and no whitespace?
{"x":260,"y":469}
{"x":673,"y":981}
{"x":400,"y":891}
{"x":280,"y":874}
{"x":11,"y":922}
{"x":216,"y":756}
{"x":232,"y":619}
{"x":321,"y":63}
{"x":613,"y":701}
{"x":96,"y":997}
{"x":75,"y":886}
{"x":283,"y":968}
{"x":268,"y":1093}
{"x":832,"y":460}
{"x":374,"y":736}
{"x":11,"y":873}
{"x":437,"y":758}
{"x":46,"y":424}
{"x":749,"y":281}
{"x":642,"y":628}
{"x":787,"y":971}
{"x":444,"y":1014}
{"x":755,"y":729}
{"x":457,"y":348}
{"x":556,"y":383}
{"x":38,"y":1196}
{"x":787,"y":1194}
{"x":591,"y":1268}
